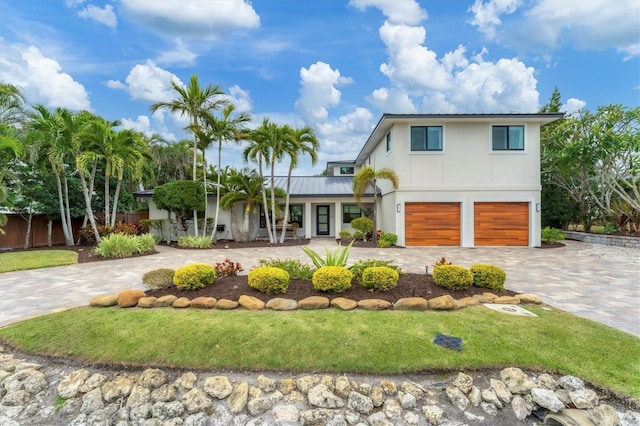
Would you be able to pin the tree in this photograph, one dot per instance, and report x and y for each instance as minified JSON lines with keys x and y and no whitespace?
{"x":222,"y":129}
{"x":297,"y":142}
{"x":180,"y":197}
{"x":12,"y":110}
{"x":10,"y":148}
{"x":367,"y":177}
{"x":171,"y":160}
{"x":196,"y":103}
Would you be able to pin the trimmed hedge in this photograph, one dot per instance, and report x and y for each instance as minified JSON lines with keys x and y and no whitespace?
{"x":269,"y":279}
{"x":454,"y":277}
{"x":195,"y":276}
{"x":379,"y":278}
{"x":488,"y":276}
{"x":334,"y":279}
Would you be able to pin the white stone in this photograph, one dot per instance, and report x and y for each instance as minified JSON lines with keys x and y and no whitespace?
{"x":411,"y":419}
{"x":408,"y":401}
{"x":35,"y":383}
{"x":378,"y":419}
{"x":570,"y":383}
{"x":198,"y":419}
{"x":502,"y":391}
{"x":94,"y":381}
{"x":489,"y":395}
{"x":220,"y":417}
{"x":139,"y":395}
{"x":258,"y":406}
{"x":546,"y":381}
{"x":70,"y":385}
{"x":584,"y":398}
{"x":547,"y":399}
{"x":630,"y":418}
{"x":516,"y":380}
{"x":475,"y":396}
{"x":473,"y":417}
{"x":392,"y":409}
{"x":266,"y":384}
{"x":196,"y":400}
{"x":307,"y":382}
{"x":342,"y":386}
{"x":457,"y":398}
{"x":320,"y":396}
{"x":238,"y":398}
{"x":359,"y":403}
{"x":433,"y":413}
{"x":167,"y":410}
{"x":186,"y":382}
{"x":285,"y":413}
{"x":92,"y":401}
{"x":520,"y":407}
{"x":377,"y":396}
{"x":464,"y":382}
{"x":218,"y":386}
{"x":413,"y":389}
{"x":604,"y":415}
{"x":489,"y":408}
{"x":117,"y":388}
{"x":152,"y":378}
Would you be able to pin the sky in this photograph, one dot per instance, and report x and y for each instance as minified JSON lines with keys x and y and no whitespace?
{"x":334,"y":65}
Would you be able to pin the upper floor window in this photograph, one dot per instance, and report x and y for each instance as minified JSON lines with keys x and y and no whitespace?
{"x":388,"y":141}
{"x":346,"y":170}
{"x":508,"y":138}
{"x":426,"y":138}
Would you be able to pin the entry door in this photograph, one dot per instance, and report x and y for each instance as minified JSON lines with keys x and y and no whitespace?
{"x":322,"y":220}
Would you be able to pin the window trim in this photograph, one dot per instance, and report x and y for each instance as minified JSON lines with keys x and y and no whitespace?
{"x":343,"y":212}
{"x":388,"y":141}
{"x":508,"y":149}
{"x":262,"y":223}
{"x":427,"y":150}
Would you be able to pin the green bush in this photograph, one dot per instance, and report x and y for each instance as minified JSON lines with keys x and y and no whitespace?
{"x":452,"y":276}
{"x":362,"y":224}
{"x":379,"y":278}
{"x":159,"y":278}
{"x":334,"y":279}
{"x":358,"y":235}
{"x":388,"y":239}
{"x":294,"y":267}
{"x":359,"y":267}
{"x":488,"y":276}
{"x":194,"y":276}
{"x":552,"y":235}
{"x":344,"y":234}
{"x":189,"y":241}
{"x":269,"y":279}
{"x":121,"y":245}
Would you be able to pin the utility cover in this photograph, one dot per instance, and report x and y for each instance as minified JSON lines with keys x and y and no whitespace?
{"x":449,"y":342}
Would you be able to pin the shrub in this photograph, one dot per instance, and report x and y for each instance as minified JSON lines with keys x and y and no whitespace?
{"x":379,"y":278}
{"x":442,"y":261}
{"x":228,"y":267}
{"x":358,"y":235}
{"x":190,"y":241}
{"x":552,"y":235}
{"x":120,"y":245}
{"x":269,"y":279}
{"x":159,"y":278}
{"x":86,"y":236}
{"x":344,"y":234}
{"x":294,"y":267}
{"x":194,"y":276}
{"x":362,"y":224}
{"x":334,"y":279}
{"x":388,"y":239}
{"x":452,"y":276}
{"x":337,"y":258}
{"x":126,"y":228}
{"x":359,"y":267}
{"x":488,"y":276}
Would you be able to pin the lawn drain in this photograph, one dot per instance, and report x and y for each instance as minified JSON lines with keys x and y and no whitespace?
{"x":449,"y":342}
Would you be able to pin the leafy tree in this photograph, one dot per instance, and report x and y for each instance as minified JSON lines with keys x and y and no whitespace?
{"x":12,"y":110}
{"x":366,"y":178}
{"x":196,"y":103}
{"x":10,"y":148}
{"x":171,"y":160}
{"x":180,"y":197}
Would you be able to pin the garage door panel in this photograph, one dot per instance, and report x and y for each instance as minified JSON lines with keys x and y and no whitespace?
{"x":432,"y":224}
{"x":501,"y":224}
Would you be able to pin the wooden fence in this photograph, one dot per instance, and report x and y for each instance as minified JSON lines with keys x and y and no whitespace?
{"x":16,"y":229}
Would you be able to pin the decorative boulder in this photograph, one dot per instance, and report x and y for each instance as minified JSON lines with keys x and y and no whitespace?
{"x":129,"y":298}
{"x":226,"y":304}
{"x":314,"y":302}
{"x":164,"y":301}
{"x":344,"y":303}
{"x":147,"y":302}
{"x":411,"y":304}
{"x":203,"y":302}
{"x":374,"y":304}
{"x":181,"y":302}
{"x":104,"y":301}
{"x":282,"y":304}
{"x":251,"y":303}
{"x":442,"y":303}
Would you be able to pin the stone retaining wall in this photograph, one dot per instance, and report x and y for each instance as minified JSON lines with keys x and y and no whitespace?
{"x":609,"y":240}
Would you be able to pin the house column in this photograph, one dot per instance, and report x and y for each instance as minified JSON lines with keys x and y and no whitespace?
{"x":337,"y":216}
{"x":307,"y":219}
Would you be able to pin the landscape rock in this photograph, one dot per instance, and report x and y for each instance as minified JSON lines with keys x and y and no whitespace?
{"x":251,"y":303}
{"x":475,"y":396}
{"x":433,"y":413}
{"x":468,"y":301}
{"x":604,"y":415}
{"x":313,"y":302}
{"x":374,"y":304}
{"x":266,"y":384}
{"x":203,"y":302}
{"x":285,"y":414}
{"x":70,"y":385}
{"x":507,"y":300}
{"x":392,"y":409}
{"x":530,"y":299}
{"x":117,"y":388}
{"x":584,"y":398}
{"x":344,"y":303}
{"x":186,"y":381}
{"x":139,"y":395}
{"x":502,"y":392}
{"x":153,"y":378}
{"x":94,"y":381}
{"x":547,"y":399}
{"x":305,"y":383}
{"x":489,"y":408}
{"x":92,"y":401}
{"x":164,"y":393}
{"x":457,"y":398}
{"x":411,"y":388}
{"x":442,"y":303}
{"x":218,"y":386}
{"x":147,"y":302}
{"x":489,"y":395}
{"x":464,"y":382}
{"x":129,"y":298}
{"x":196,"y":400}
{"x":104,"y":301}
{"x":570,"y":383}
{"x":165,"y":301}
{"x":226,"y":304}
{"x":359,"y":403}
{"x":516,"y":380}
{"x":282,"y":304}
{"x":546,"y":381}
{"x":181,"y":303}
{"x":520,"y":407}
{"x":258,"y":406}
{"x":320,"y":396}
{"x":411,"y":304}
{"x":238,"y":398}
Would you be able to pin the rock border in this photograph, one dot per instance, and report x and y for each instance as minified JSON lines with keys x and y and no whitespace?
{"x":137,"y":298}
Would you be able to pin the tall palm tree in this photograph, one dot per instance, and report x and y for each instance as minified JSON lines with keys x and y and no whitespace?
{"x":10,"y":148}
{"x":222,"y":129}
{"x":266,"y":145}
{"x":12,"y":102}
{"x":196,"y":103}
{"x":366,"y":177}
{"x":298,"y":142}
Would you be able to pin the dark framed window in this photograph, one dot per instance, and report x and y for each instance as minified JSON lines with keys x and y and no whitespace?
{"x":296,"y":213}
{"x":350,"y":212}
{"x":388,"y":141}
{"x":346,"y":170}
{"x":507,"y":138}
{"x":426,"y":138}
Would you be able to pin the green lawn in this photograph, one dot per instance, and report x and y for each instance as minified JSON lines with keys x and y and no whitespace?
{"x":335,"y":341}
{"x":24,"y":260}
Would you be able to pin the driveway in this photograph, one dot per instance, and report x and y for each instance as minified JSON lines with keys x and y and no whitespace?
{"x":595,"y":282}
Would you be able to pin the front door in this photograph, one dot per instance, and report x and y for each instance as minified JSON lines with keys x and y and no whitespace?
{"x":322,"y":220}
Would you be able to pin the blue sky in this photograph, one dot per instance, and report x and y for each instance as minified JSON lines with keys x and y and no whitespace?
{"x":335,"y":65}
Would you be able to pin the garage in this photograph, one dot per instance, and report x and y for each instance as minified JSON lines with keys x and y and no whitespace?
{"x":432,"y":224}
{"x":501,"y":224}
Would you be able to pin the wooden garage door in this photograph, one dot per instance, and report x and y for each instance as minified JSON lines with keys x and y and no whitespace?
{"x":501,"y":224}
{"x":432,"y":224}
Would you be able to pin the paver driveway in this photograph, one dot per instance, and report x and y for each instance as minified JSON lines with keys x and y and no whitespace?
{"x":603,"y":289}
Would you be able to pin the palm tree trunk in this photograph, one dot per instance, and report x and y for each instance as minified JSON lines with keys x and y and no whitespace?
{"x":245,"y":223}
{"x":68,"y":240}
{"x":107,"y":176}
{"x":27,"y":235}
{"x":89,"y":209}
{"x":215,"y":220}
{"x":116,"y":195}
{"x":67,"y":209}
{"x":273,"y":200}
{"x":206,"y":199}
{"x":195,"y":159}
{"x":267,"y":223}
{"x":91,"y":184}
{"x":374,"y":234}
{"x":286,"y":206}
{"x":49,"y":231}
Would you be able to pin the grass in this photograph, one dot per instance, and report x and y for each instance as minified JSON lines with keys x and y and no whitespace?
{"x":335,"y":341}
{"x":24,"y":260}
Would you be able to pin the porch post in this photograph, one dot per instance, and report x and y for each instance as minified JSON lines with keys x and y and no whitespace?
{"x":337,"y":216}
{"x":307,"y":219}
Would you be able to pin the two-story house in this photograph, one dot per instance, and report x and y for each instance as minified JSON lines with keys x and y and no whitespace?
{"x":464,"y":180}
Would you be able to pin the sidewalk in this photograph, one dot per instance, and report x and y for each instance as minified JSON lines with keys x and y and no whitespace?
{"x":576,"y":278}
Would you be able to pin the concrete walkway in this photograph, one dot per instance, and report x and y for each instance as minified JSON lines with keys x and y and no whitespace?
{"x":577,"y":278}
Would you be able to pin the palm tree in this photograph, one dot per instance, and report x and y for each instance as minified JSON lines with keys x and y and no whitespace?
{"x":298,"y":141}
{"x":10,"y":148}
{"x":366,"y":177}
{"x":223,"y":129}
{"x":196,"y":103}
{"x":11,"y":105}
{"x":266,"y":143}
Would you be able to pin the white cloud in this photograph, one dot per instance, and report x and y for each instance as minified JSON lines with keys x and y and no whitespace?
{"x":397,"y":11}
{"x":104,"y":16}
{"x":486,"y":16}
{"x":318,"y":91}
{"x":420,"y":81}
{"x":148,"y":83}
{"x":342,"y":139}
{"x":144,"y":125}
{"x":193,"y":19}
{"x":41,"y":78}
{"x":630,"y":51}
{"x":572,"y":106}
{"x":240,"y":98}
{"x":181,"y":54}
